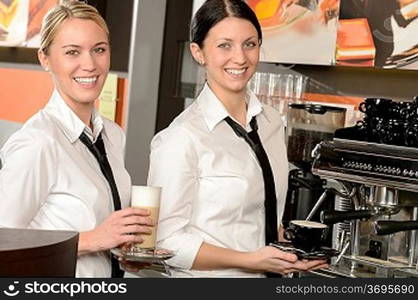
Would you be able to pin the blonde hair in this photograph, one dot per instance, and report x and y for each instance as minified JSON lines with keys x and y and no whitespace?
{"x":64,"y":11}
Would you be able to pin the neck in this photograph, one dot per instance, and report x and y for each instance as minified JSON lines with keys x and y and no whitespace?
{"x":82,"y":110}
{"x":234,"y":103}
{"x":85,"y":115}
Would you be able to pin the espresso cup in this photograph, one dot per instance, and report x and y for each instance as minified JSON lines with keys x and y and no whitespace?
{"x":306,"y":235}
{"x":376,"y":107}
{"x":411,"y":135}
{"x":392,"y":132}
{"x":147,"y":197}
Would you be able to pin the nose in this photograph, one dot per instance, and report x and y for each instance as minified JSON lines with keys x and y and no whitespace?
{"x":88,"y":62}
{"x":239,"y":56}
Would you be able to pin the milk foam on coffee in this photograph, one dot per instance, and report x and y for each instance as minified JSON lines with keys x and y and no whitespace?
{"x":147,"y":197}
{"x":310,"y":224}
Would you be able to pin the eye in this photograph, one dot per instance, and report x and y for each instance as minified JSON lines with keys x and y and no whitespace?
{"x":99,"y":50}
{"x":250,"y":44}
{"x":72,"y":52}
{"x":224,"y":46}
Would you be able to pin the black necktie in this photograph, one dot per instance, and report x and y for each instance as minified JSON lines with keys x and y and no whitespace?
{"x":270,"y":201}
{"x":99,"y":152}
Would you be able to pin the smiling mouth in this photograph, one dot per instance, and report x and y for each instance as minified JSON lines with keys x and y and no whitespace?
{"x":86,"y":80}
{"x":236,"y":72}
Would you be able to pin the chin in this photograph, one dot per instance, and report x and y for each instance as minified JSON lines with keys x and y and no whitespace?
{"x":87,"y":98}
{"x":238,"y":88}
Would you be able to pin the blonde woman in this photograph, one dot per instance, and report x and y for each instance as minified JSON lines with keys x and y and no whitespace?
{"x":52,"y":177}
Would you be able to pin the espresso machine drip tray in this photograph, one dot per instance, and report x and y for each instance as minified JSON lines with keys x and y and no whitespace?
{"x":367,"y":163}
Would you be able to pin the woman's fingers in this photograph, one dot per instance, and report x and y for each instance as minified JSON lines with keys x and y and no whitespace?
{"x":135,"y":229}
{"x":282,"y":255}
{"x":130,"y":211}
{"x":131,"y":238}
{"x":286,"y":267}
{"x":132,"y":266}
{"x":134,"y":219}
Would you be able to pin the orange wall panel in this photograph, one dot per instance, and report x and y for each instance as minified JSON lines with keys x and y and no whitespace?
{"x":23,"y":93}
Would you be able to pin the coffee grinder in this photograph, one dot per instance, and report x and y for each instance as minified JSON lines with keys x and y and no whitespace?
{"x":307,"y":125}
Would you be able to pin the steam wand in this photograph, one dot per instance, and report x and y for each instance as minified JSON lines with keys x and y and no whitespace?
{"x":324,"y":196}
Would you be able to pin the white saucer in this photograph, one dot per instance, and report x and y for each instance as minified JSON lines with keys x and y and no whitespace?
{"x":146,"y":256}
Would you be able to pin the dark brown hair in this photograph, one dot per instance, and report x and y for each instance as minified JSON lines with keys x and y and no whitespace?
{"x":214,"y":11}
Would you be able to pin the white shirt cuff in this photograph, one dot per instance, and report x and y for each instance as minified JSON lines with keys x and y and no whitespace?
{"x":185,"y":249}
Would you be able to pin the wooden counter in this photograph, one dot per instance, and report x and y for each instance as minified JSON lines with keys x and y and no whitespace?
{"x":37,"y":253}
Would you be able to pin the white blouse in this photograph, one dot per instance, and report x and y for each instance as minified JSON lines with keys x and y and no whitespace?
{"x":213,"y":188}
{"x":50,"y":180}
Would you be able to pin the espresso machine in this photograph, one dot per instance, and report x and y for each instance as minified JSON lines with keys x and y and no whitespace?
{"x":307,"y":125}
{"x":375,"y":217}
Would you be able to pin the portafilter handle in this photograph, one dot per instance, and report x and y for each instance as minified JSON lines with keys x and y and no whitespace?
{"x":389,"y":227}
{"x":335,"y":216}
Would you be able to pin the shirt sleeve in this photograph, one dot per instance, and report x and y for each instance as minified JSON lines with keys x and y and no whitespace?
{"x":174,"y":167}
{"x":26,"y":177}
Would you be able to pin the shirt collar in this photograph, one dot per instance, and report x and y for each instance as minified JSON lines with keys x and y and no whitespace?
{"x":214,"y":111}
{"x":69,"y":122}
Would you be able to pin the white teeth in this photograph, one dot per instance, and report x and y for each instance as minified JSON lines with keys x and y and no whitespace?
{"x":85,"y":79}
{"x":235,"y":71}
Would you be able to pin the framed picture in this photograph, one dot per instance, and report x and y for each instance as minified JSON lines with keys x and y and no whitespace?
{"x":20,"y":21}
{"x":376,"y":35}
{"x":298,"y":31}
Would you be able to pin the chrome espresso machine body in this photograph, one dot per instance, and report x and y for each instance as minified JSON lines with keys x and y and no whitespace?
{"x":376,"y":205}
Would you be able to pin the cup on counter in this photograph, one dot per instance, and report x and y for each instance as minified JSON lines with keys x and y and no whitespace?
{"x":306,"y":235}
{"x":147,"y":197}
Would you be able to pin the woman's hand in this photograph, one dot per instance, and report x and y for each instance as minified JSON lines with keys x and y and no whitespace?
{"x":122,"y":226}
{"x":132,"y":266}
{"x":270,"y":259}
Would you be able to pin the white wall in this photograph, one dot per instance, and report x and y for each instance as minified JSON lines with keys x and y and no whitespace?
{"x":197,"y":4}
{"x":6,"y":130}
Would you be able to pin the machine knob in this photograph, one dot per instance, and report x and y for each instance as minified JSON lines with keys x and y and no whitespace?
{"x":411,"y":173}
{"x":405,"y":172}
{"x":398,"y":171}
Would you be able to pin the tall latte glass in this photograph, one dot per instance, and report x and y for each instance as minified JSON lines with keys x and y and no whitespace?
{"x":147,"y":197}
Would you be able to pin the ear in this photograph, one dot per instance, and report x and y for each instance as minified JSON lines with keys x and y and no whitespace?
{"x":197,"y":53}
{"x":43,"y":59}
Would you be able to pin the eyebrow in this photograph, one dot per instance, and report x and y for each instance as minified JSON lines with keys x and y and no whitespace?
{"x":78,"y":46}
{"x":230,"y":40}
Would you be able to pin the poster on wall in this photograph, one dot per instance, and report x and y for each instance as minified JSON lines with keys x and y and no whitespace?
{"x":298,"y":31}
{"x":20,"y":21}
{"x":378,"y":33}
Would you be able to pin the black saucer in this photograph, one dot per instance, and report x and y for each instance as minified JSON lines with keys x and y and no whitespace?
{"x":323,"y":252}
